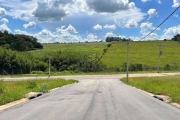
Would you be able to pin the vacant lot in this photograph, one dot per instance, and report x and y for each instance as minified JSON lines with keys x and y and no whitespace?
{"x":167,"y":85}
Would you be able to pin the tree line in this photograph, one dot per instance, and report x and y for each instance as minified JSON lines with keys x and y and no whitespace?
{"x":13,"y":62}
{"x":19,"y":42}
{"x":116,"y":39}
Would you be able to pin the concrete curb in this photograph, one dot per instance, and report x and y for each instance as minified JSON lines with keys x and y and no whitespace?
{"x":162,"y":98}
{"x":32,"y":95}
{"x":3,"y":107}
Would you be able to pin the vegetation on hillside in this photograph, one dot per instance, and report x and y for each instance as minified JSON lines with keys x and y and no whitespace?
{"x":143,"y":56}
{"x":18,"y":42}
{"x":92,"y":57}
{"x":116,"y":39}
{"x":176,"y":38}
{"x":62,"y":58}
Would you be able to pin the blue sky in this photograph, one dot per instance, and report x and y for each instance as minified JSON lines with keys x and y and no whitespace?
{"x":89,"y":20}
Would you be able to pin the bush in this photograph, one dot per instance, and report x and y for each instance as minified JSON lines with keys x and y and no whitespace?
{"x":167,"y":67}
{"x":31,"y":84}
{"x":104,"y":50}
{"x":2,"y":87}
{"x":136,"y":67}
{"x":108,"y":45}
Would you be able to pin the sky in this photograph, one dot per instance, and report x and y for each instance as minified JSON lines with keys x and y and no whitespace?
{"x":66,"y":21}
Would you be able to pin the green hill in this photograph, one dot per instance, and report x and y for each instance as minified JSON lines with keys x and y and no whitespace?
{"x":144,"y":53}
{"x":93,"y":57}
{"x":91,"y":48}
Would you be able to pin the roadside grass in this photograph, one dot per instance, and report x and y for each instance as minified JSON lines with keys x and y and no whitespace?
{"x":14,"y":90}
{"x":166,"y":85}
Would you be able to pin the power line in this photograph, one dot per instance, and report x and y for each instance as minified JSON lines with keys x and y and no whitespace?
{"x":161,"y":23}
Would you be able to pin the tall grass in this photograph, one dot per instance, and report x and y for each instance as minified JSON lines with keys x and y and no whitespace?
{"x":15,"y":90}
{"x":167,"y":85}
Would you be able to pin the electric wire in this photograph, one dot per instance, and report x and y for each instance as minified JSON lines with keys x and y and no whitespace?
{"x":160,"y":23}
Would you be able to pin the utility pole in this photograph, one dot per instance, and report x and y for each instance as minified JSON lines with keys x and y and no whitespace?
{"x":160,"y":53}
{"x":127,"y":62}
{"x":49,"y":67}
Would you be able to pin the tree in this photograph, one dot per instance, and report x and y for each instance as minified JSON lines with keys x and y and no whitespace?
{"x":176,"y":37}
{"x":19,"y":42}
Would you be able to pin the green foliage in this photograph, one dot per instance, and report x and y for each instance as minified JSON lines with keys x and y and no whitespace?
{"x":44,"y":88}
{"x":17,"y":62}
{"x":92,"y":57}
{"x":108,"y":45}
{"x":167,"y":85}
{"x":116,"y":39}
{"x":31,"y":84}
{"x":176,"y":38}
{"x":2,"y":86}
{"x":167,"y":67}
{"x":18,"y":42}
{"x":16,"y":90}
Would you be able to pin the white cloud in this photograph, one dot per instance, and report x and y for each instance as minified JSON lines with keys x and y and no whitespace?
{"x":146,"y":25}
{"x":152,"y":36}
{"x":109,"y":26}
{"x":2,"y":11}
{"x":70,"y":28}
{"x":131,"y":24}
{"x":17,"y":31}
{"x":51,"y":10}
{"x":170,"y":32}
{"x":30,"y":25}
{"x":109,"y":6}
{"x":110,"y":34}
{"x":91,"y":38}
{"x":16,"y":8}
{"x":97,"y":27}
{"x":146,"y":28}
{"x":152,"y":13}
{"x":145,"y":1}
{"x":122,"y":17}
{"x":159,"y":1}
{"x":46,"y":36}
{"x":4,"y":27}
{"x":4,"y":20}
{"x":176,"y":3}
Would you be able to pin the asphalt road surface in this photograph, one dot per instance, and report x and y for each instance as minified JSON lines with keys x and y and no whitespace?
{"x":93,"y":98}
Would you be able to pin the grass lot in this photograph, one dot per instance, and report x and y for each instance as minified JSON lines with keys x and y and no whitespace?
{"x":167,"y":85}
{"x":80,"y":47}
{"x":15,"y":90}
{"x":145,"y":53}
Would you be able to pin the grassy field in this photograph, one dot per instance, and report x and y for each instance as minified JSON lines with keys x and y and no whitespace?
{"x":145,"y":53}
{"x":79,"y":47}
{"x":11,"y":91}
{"x":167,"y":85}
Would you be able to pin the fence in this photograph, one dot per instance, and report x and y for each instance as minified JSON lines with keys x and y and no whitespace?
{"x":14,"y":71}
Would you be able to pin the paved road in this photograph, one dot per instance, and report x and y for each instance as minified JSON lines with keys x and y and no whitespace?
{"x":93,"y":98}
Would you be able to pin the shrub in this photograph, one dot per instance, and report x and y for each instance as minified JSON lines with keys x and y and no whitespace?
{"x":108,"y":45}
{"x":2,"y":87}
{"x":31,"y":84}
{"x":167,"y":67}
